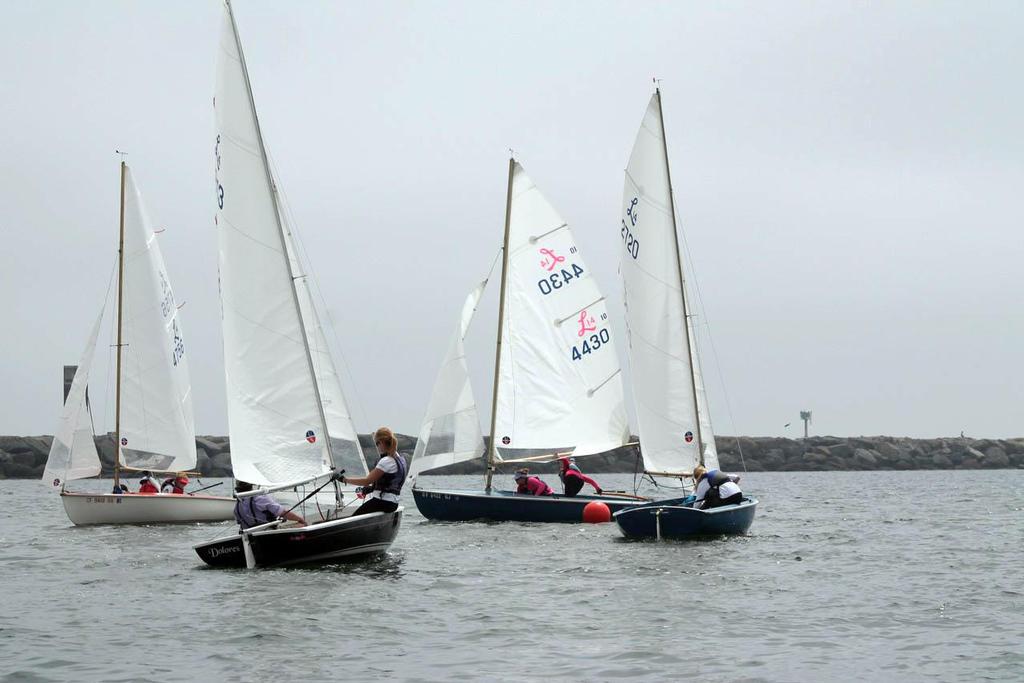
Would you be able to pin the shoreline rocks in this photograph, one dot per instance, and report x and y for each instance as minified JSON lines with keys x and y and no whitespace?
{"x":23,"y":457}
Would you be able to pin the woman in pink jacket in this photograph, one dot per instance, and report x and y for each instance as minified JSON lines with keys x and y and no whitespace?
{"x":573,"y":479}
{"x":531,"y":485}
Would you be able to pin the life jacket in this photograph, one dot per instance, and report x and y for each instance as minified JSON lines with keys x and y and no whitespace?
{"x":715,"y":479}
{"x":392,"y":482}
{"x":148,"y":486}
{"x":254,"y":514}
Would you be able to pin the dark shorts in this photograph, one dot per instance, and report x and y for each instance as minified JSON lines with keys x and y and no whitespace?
{"x":375,"y":505}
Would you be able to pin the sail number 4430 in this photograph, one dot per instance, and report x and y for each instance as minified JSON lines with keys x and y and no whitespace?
{"x":590,"y":344}
{"x":559,"y":279}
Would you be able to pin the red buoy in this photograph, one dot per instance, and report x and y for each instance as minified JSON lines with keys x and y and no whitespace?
{"x":596,"y":512}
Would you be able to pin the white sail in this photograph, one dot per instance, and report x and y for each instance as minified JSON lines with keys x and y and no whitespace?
{"x":157,"y":426}
{"x":275,"y":423}
{"x":560,"y":386}
{"x":707,"y":433}
{"x":659,"y":342}
{"x":345,"y":448}
{"x":73,"y":451}
{"x":451,"y":427}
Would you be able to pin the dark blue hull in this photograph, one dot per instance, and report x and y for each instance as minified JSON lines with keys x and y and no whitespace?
{"x":669,"y":519}
{"x":506,"y":506}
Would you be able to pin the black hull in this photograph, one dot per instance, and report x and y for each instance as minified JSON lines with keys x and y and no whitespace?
{"x":325,"y":542}
{"x":507,"y":506}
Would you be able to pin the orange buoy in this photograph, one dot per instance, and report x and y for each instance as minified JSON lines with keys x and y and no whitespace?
{"x":596,"y":512}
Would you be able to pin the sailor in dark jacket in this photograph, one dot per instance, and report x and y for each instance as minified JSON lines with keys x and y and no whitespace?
{"x":386,"y":478}
{"x":715,"y":488}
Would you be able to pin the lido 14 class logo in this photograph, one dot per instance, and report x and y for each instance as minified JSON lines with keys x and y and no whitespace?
{"x":688,"y":436}
{"x":550,"y":260}
{"x":506,"y":440}
{"x":311,"y":436}
{"x":124,"y":441}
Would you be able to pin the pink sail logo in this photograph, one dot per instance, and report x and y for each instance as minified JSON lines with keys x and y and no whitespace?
{"x":587,"y":323}
{"x":550,"y":260}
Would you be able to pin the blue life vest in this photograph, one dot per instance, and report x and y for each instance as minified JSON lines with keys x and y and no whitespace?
{"x":392,"y":482}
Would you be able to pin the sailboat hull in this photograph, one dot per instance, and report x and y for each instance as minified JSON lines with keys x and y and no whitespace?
{"x":670,"y":519}
{"x":157,"y":508}
{"x":507,"y":506}
{"x":333,"y":541}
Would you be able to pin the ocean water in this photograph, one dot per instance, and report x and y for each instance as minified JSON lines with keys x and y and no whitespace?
{"x":847,"y":576}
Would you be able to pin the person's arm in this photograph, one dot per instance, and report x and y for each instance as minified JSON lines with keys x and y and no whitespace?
{"x":280,"y":511}
{"x":590,"y":481}
{"x":295,"y":518}
{"x":374,"y":475}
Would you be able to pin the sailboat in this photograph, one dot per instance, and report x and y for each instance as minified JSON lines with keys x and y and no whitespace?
{"x":289,"y":424}
{"x":671,"y":405}
{"x":557,"y":383}
{"x":154,"y":428}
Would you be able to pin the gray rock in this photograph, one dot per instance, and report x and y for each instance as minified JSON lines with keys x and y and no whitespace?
{"x":865,"y":458}
{"x":941,"y":461}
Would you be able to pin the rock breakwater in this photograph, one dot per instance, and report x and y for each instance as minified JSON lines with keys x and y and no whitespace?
{"x":23,"y":457}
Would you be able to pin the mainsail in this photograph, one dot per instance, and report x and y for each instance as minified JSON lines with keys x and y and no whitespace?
{"x":157,"y":426}
{"x":451,"y":427}
{"x":73,"y":451}
{"x":276,"y":422}
{"x":560,"y":386}
{"x":667,"y":387}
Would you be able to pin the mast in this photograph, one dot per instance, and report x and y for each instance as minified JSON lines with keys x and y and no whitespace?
{"x":492,"y":448}
{"x":280,"y":232}
{"x":682,"y":282}
{"x":117,"y":374}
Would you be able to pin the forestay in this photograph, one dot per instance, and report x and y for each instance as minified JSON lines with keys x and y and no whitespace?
{"x":659,"y":335}
{"x":451,"y":427}
{"x":275,"y":423}
{"x":346,"y":451}
{"x":560,"y":386}
{"x":157,"y":426}
{"x":73,"y":451}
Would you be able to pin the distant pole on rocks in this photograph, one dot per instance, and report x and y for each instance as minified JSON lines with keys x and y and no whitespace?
{"x":805,"y":415}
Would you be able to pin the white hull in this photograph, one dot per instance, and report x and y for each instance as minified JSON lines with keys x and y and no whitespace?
{"x":157,"y":508}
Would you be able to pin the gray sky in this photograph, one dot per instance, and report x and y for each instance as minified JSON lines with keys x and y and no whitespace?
{"x":848,"y":179}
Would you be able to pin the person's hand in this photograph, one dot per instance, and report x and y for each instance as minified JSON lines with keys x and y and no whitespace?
{"x":600,"y":492}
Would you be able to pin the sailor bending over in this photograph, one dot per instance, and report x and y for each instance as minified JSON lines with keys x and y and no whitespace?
{"x":256,"y":510}
{"x":715,"y":488}
{"x":573,"y":479}
{"x":533,"y":486}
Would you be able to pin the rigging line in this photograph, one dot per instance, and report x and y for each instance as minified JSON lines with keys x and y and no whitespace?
{"x":302,"y":256}
{"x":714,"y":350}
{"x":88,"y":403}
{"x":110,"y":348}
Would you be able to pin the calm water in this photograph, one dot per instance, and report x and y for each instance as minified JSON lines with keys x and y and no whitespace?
{"x":845,"y":576}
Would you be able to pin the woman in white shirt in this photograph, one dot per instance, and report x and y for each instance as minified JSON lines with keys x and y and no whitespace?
{"x":386,"y":478}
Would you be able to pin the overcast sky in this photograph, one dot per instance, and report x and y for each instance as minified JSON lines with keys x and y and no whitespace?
{"x":849,"y":181}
